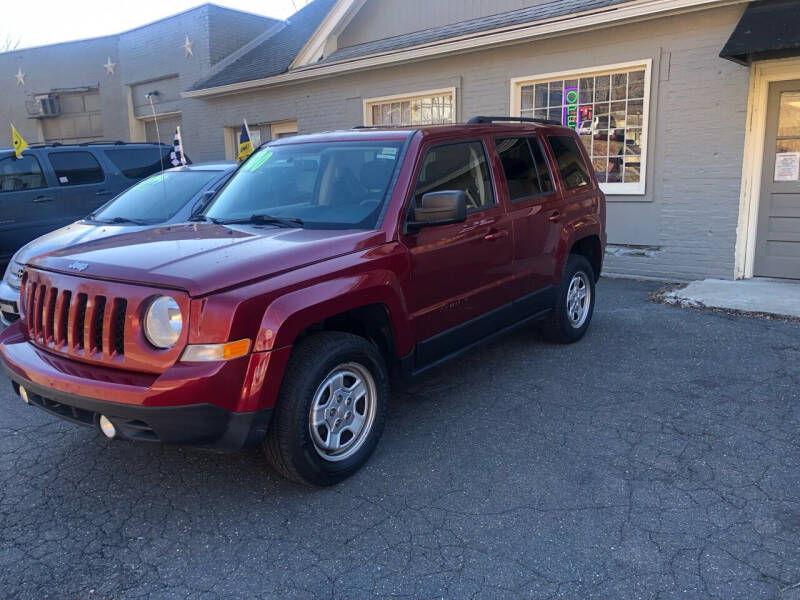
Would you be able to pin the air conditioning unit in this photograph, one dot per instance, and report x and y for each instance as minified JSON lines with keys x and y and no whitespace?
{"x":49,"y":105}
{"x":43,"y":106}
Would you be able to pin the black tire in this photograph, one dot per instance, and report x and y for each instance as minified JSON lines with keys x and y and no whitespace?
{"x":288,"y":444}
{"x":559,"y":327}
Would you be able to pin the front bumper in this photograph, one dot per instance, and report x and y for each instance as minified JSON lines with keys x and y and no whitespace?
{"x":198,"y":424}
{"x":9,"y":303}
{"x":222,"y":405}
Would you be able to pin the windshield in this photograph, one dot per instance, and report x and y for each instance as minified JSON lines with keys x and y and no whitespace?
{"x":157,"y":198}
{"x":334,"y":185}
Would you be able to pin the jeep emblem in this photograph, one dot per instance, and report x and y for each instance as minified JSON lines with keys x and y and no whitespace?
{"x":78,"y":266}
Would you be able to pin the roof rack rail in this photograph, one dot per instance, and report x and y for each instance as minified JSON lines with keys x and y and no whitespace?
{"x":102,"y":142}
{"x":92,"y":143}
{"x":482,"y":119}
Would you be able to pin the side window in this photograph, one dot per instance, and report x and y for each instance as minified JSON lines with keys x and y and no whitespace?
{"x":516,"y":155}
{"x":461,"y":166}
{"x":545,"y":177}
{"x":138,"y":163}
{"x":18,"y":174}
{"x":76,"y":168}
{"x":569,"y":161}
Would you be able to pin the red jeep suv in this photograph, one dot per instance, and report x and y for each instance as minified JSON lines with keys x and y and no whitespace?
{"x":327,"y":263}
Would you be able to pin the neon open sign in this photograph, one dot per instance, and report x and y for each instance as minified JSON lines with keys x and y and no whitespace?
{"x":569,"y":116}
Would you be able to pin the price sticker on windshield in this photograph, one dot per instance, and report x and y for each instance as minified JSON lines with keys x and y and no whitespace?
{"x":258,"y":160}
{"x":388,"y":154}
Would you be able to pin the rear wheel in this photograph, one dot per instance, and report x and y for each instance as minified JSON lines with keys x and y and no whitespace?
{"x":331,"y":409}
{"x":574,"y":303}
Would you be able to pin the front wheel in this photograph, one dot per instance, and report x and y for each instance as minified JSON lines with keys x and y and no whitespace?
{"x":331,"y":409}
{"x":574,"y":303}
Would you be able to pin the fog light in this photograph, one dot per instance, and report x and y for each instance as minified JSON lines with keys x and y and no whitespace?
{"x":107,"y":427}
{"x":23,"y":393}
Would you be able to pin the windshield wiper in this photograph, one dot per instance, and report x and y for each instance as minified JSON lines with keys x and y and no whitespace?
{"x":264,"y":220}
{"x":118,"y":220}
{"x":204,"y":218}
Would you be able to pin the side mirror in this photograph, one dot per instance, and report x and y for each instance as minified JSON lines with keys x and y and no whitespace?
{"x":438,"y":208}
{"x":204,"y":201}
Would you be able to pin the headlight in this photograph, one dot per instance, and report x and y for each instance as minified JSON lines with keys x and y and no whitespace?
{"x":13,"y":274}
{"x":163,"y":322}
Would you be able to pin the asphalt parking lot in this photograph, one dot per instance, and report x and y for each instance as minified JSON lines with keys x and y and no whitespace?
{"x":658,"y":458}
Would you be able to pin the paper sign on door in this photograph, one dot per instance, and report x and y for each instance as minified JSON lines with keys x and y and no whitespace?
{"x":787,"y":166}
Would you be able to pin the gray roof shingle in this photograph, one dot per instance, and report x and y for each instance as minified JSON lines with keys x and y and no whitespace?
{"x":549,"y":10}
{"x":274,"y":55}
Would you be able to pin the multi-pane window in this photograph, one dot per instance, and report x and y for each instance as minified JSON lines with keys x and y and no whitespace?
{"x":427,"y":109}
{"x":607,"y":109}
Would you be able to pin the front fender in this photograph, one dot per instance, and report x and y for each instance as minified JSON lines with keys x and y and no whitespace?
{"x":291,"y":313}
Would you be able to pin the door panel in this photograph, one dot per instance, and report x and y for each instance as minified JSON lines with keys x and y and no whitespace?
{"x":82,"y":185}
{"x":457,"y":273}
{"x":463,"y":270}
{"x":534,"y":207}
{"x":778,"y":234}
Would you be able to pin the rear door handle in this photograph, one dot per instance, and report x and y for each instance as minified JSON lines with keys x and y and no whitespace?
{"x":43,"y":199}
{"x":496,"y":234}
{"x":555,"y":217}
{"x":103,"y":193}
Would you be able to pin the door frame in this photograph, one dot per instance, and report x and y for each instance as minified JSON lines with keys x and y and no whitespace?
{"x":762,"y":74}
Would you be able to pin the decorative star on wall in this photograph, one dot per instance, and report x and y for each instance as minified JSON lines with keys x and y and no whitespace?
{"x":187,"y":48}
{"x":20,"y":77}
{"x":109,"y":67}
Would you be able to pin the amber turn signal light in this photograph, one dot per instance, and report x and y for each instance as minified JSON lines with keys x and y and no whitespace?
{"x":212,"y":352}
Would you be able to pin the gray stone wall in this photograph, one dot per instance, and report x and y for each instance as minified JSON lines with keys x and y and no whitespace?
{"x":683,"y":227}
{"x":65,"y":65}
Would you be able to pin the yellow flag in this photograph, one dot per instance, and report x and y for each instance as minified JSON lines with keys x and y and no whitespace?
{"x":18,"y":142}
{"x":245,"y":145}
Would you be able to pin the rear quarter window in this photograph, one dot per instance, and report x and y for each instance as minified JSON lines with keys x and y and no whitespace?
{"x":569,"y":162}
{"x":138,"y":163}
{"x":76,"y":168}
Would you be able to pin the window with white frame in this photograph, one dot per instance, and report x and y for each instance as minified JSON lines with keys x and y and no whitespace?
{"x":608,"y":108}
{"x":426,"y":108}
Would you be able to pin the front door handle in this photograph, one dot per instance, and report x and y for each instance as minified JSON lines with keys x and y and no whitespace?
{"x":496,"y":234}
{"x":103,"y":193}
{"x":43,"y":199}
{"x":555,"y":217}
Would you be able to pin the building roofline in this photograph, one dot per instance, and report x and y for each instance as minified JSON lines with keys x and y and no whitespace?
{"x":635,"y":10}
{"x":205,"y":5}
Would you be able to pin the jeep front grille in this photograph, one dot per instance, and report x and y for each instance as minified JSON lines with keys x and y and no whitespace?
{"x":56,"y":321}
{"x":95,"y":321}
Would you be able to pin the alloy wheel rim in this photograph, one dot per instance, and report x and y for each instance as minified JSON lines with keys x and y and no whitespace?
{"x":579,"y":299}
{"x":342,"y":412}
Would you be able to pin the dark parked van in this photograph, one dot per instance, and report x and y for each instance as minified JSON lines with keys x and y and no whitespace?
{"x":52,"y":185}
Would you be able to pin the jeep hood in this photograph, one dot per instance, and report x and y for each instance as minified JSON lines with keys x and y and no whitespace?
{"x":202,"y":258}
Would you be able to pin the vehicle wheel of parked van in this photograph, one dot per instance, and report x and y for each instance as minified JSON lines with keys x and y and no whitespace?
{"x":330,"y":411}
{"x":574,"y":303}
